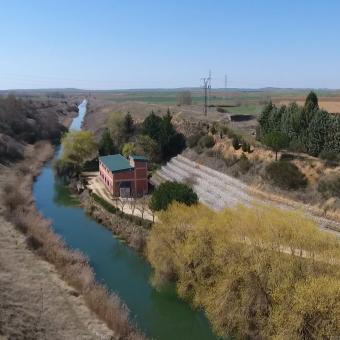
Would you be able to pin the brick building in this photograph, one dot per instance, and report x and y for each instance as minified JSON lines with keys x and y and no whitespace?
{"x":123,"y":177}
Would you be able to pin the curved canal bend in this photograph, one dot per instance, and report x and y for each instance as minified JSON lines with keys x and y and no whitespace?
{"x":161,"y":315}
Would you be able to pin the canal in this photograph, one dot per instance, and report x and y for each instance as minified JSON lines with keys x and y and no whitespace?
{"x":160,"y":314}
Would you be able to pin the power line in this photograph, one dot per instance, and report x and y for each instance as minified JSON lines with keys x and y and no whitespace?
{"x":207,"y":91}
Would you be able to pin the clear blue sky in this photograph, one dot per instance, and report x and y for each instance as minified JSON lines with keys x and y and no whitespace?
{"x":108,"y":44}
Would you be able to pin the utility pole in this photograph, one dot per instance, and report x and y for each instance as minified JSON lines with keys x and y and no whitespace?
{"x":207,"y":89}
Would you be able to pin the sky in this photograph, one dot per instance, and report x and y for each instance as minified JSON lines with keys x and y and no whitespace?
{"x":111,"y":44}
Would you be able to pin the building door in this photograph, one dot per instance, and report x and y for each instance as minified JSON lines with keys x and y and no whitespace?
{"x":125,"y":189}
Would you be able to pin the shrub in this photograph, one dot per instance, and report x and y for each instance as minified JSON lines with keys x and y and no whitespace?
{"x":286,"y":175}
{"x":206,"y":141}
{"x":244,"y":164}
{"x":221,"y":110}
{"x":245,"y":147}
{"x":330,"y":187}
{"x":213,"y":130}
{"x":12,"y":198}
{"x":168,"y":192}
{"x":331,"y":156}
{"x":236,"y":142}
{"x":297,"y":146}
{"x":193,"y":139}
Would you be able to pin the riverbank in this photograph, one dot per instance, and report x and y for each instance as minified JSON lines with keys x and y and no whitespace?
{"x":34,"y":301}
{"x":69,"y":268}
{"x":134,"y":235}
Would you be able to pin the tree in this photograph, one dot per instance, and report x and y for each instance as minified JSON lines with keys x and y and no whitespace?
{"x":258,"y":272}
{"x":314,"y":312}
{"x":77,"y":148}
{"x":148,"y":147}
{"x":128,"y":126}
{"x":318,"y":130}
{"x":115,"y":124}
{"x":106,"y":145}
{"x":311,"y":102}
{"x":265,"y":118}
{"x":128,"y":149}
{"x":276,"y":141}
{"x":152,"y":126}
{"x":184,"y":98}
{"x":291,"y":121}
{"x":172,"y":142}
{"x":168,"y":192}
{"x":142,"y":205}
{"x":163,"y":132}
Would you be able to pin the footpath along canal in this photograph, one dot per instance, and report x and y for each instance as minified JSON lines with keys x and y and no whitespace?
{"x":160,"y":314}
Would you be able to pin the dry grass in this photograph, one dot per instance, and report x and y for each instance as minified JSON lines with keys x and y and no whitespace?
{"x":328,"y":104}
{"x":309,"y":199}
{"x":71,"y":265}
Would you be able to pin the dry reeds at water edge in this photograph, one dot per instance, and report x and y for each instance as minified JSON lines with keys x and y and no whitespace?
{"x":72,"y":265}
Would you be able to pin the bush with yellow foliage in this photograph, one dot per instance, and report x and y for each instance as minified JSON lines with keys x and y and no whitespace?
{"x":257,"y":272}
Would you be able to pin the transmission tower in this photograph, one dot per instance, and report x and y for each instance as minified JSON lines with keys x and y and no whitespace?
{"x":207,"y":89}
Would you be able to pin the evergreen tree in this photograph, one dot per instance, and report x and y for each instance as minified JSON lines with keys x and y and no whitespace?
{"x":128,"y":126}
{"x":332,"y":140}
{"x":311,"y":102}
{"x":291,"y":121}
{"x":276,"y":141}
{"x":265,"y":118}
{"x":152,"y":126}
{"x":317,"y":132}
{"x":106,"y":145}
{"x":172,"y":143}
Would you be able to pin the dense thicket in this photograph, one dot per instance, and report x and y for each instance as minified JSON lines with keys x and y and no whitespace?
{"x":286,"y":175}
{"x":168,"y":192}
{"x":77,"y":148}
{"x":164,"y":133}
{"x":258,"y":273}
{"x":21,"y":121}
{"x":156,"y":138}
{"x":308,"y":128}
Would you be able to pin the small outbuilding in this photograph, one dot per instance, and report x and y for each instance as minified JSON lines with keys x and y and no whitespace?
{"x":124,"y":177}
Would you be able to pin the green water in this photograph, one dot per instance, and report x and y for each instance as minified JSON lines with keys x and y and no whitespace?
{"x":161,"y":315}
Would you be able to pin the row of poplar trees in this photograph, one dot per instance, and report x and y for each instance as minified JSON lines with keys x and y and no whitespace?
{"x":307,"y":128}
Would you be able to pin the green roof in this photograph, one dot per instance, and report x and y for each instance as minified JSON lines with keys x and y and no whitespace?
{"x":116,"y":162}
{"x":139,"y":158}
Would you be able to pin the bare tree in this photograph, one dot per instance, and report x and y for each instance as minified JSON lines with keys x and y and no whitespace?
{"x":123,"y":202}
{"x":184,"y":98}
{"x":143,"y":204}
{"x":132,"y":204}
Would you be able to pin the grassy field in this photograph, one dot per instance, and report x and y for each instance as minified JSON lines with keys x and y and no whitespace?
{"x":233,"y":100}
